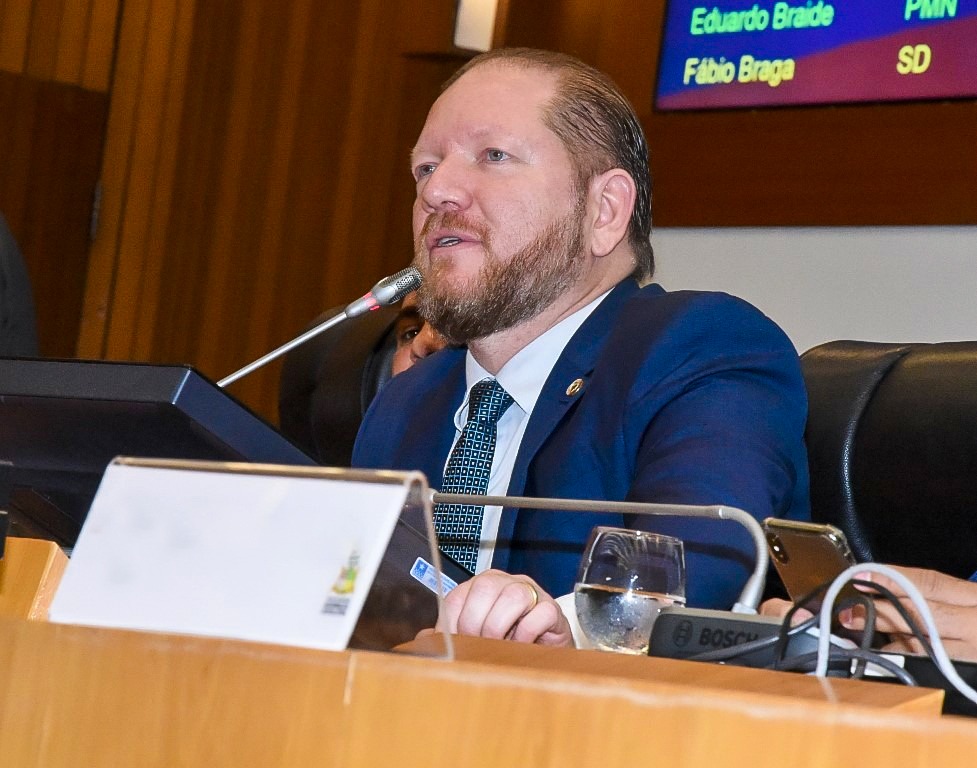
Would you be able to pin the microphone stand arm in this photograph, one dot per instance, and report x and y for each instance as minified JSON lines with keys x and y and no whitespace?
{"x":325,"y":325}
{"x":385,"y":293}
{"x":753,"y":589}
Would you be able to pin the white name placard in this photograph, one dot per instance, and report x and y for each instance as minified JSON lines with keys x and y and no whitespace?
{"x":226,"y":550}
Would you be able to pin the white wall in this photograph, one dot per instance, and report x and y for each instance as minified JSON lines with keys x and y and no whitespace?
{"x":821,"y":284}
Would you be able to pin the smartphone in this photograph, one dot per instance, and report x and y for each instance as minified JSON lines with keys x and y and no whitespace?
{"x":807,"y":555}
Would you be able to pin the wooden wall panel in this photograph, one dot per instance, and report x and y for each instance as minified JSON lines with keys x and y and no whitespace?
{"x":55,"y":66}
{"x":886,"y":164}
{"x":255,"y":173}
{"x":274,"y":112}
{"x":50,"y":149}
{"x":100,"y":45}
{"x":15,"y":23}
{"x":64,"y":41}
{"x":42,"y":50}
{"x":129,"y":252}
{"x":71,"y":41}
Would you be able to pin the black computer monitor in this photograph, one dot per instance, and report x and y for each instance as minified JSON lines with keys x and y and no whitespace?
{"x":63,"y":421}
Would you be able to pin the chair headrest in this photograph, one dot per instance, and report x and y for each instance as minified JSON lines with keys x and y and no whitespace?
{"x":892,"y":446}
{"x":328,"y":383}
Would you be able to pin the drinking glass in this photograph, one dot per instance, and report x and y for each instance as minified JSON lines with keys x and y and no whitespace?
{"x":626,"y":577}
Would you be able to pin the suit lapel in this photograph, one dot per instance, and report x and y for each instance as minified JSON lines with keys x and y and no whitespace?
{"x":433,"y":417}
{"x":559,"y":393}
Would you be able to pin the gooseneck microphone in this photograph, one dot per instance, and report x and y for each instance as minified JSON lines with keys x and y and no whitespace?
{"x":753,"y":589}
{"x":388,"y":291}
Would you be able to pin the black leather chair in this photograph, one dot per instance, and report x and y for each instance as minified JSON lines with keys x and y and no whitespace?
{"x":892,"y":441}
{"x":18,"y":331}
{"x":328,"y":383}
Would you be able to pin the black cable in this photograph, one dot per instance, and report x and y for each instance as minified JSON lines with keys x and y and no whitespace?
{"x":783,"y":636}
{"x":868,"y":634}
{"x":877,"y":659}
{"x":862,"y":656}
{"x":910,"y":621}
{"x":813,"y":599}
{"x":806,"y":662}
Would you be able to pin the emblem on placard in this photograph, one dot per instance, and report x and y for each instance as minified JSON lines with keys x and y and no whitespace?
{"x":345,"y":585}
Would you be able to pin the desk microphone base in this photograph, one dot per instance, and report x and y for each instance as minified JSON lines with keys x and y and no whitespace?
{"x":685,"y":633}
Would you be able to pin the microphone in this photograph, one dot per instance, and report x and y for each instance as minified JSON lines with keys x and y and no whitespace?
{"x":387,"y":291}
{"x":676,"y":626}
{"x":753,"y":589}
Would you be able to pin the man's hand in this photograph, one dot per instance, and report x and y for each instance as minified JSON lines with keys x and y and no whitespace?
{"x":953,"y":603}
{"x":778,"y":608}
{"x":497,"y":605}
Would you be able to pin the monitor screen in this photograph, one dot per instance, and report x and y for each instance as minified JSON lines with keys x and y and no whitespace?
{"x":754,"y":53}
{"x":63,"y":421}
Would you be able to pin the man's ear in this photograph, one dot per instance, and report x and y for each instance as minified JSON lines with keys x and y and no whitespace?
{"x":612,"y":194}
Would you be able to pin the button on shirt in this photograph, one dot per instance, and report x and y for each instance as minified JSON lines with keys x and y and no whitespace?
{"x":523,"y":378}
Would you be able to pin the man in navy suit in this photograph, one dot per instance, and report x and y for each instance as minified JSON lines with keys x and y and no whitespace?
{"x":532,"y":223}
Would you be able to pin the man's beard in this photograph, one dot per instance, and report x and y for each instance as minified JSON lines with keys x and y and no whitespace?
{"x":504,"y":294}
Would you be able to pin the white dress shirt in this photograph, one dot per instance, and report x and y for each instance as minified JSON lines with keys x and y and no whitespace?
{"x":523,"y":378}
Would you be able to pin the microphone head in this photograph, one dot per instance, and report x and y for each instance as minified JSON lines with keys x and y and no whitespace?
{"x":388,"y":291}
{"x":398,"y":286}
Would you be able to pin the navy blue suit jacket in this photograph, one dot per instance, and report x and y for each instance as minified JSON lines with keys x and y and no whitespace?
{"x":688,"y":397}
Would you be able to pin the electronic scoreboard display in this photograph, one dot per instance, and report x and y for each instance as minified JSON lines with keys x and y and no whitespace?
{"x":736,"y":53}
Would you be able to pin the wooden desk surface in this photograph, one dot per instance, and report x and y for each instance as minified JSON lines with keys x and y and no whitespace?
{"x":74,"y":696}
{"x":30,"y":572}
{"x":716,"y":678}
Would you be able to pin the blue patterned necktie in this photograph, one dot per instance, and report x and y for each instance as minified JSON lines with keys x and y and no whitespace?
{"x":459,"y":526}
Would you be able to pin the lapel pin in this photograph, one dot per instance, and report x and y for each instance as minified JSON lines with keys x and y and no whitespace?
{"x":576,"y":386}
